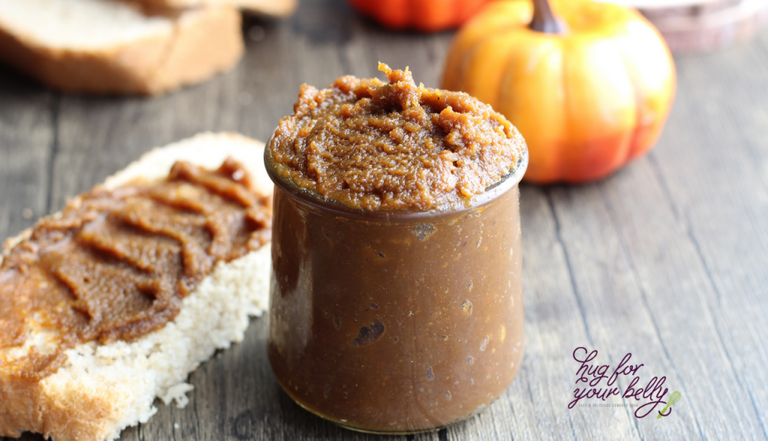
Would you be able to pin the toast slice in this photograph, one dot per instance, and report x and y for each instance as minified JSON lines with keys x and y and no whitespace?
{"x":114,"y":47}
{"x":103,"y":388}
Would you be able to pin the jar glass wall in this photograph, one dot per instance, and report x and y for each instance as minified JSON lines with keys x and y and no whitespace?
{"x":395,"y":322}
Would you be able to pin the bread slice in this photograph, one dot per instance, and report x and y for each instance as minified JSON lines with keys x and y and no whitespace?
{"x":271,"y":8}
{"x":109,"y":46}
{"x":103,"y":388}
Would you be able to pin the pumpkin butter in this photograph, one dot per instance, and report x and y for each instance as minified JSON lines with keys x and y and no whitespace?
{"x":392,"y":147}
{"x":115,"y":264}
{"x":396,"y":295}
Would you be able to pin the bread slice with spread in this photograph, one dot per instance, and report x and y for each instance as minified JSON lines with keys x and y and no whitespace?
{"x":118,"y":47}
{"x":84,"y":367}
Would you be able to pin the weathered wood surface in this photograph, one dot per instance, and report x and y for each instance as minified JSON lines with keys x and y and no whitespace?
{"x":667,"y":259}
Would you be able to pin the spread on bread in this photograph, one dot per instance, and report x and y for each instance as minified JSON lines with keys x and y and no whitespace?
{"x":115,"y":264}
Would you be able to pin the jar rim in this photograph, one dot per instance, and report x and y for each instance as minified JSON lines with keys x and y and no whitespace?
{"x":311,"y":197}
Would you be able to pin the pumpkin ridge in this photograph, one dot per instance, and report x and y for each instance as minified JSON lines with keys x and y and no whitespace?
{"x":638,"y":147}
{"x":561,"y":165}
{"x":470,"y":52}
{"x":491,"y":11}
{"x":502,"y":97}
{"x":633,"y":147}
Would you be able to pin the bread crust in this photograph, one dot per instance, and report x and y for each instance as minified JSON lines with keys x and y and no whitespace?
{"x":271,"y":8}
{"x":64,"y":417}
{"x":203,"y":42}
{"x":66,"y":406}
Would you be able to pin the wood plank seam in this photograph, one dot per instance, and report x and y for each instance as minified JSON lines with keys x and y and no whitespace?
{"x":713,"y":284}
{"x":649,"y":312}
{"x":572,"y":278}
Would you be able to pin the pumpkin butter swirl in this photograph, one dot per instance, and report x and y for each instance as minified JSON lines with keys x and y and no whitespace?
{"x":394,"y":146}
{"x":116,"y":264}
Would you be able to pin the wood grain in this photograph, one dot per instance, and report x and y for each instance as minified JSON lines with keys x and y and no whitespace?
{"x":27,"y":137}
{"x":666,"y":259}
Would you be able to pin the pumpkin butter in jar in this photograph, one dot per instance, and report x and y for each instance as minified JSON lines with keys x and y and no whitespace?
{"x":396,"y":292}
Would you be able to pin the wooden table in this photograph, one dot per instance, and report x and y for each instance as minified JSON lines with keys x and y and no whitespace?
{"x":666,"y":259}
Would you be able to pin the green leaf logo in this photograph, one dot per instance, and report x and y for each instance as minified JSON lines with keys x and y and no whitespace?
{"x":674,"y":398}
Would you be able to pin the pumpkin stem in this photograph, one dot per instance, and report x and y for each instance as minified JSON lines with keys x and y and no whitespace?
{"x":544,"y":20}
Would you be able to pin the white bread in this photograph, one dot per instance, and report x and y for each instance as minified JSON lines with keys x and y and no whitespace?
{"x":103,"y":388}
{"x":108,"y":46}
{"x":272,"y":8}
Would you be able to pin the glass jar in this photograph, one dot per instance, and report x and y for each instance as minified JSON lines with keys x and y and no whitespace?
{"x":395,"y":322}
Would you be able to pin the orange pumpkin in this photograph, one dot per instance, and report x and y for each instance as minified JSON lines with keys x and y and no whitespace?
{"x":423,"y":15}
{"x":588,"y":97}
